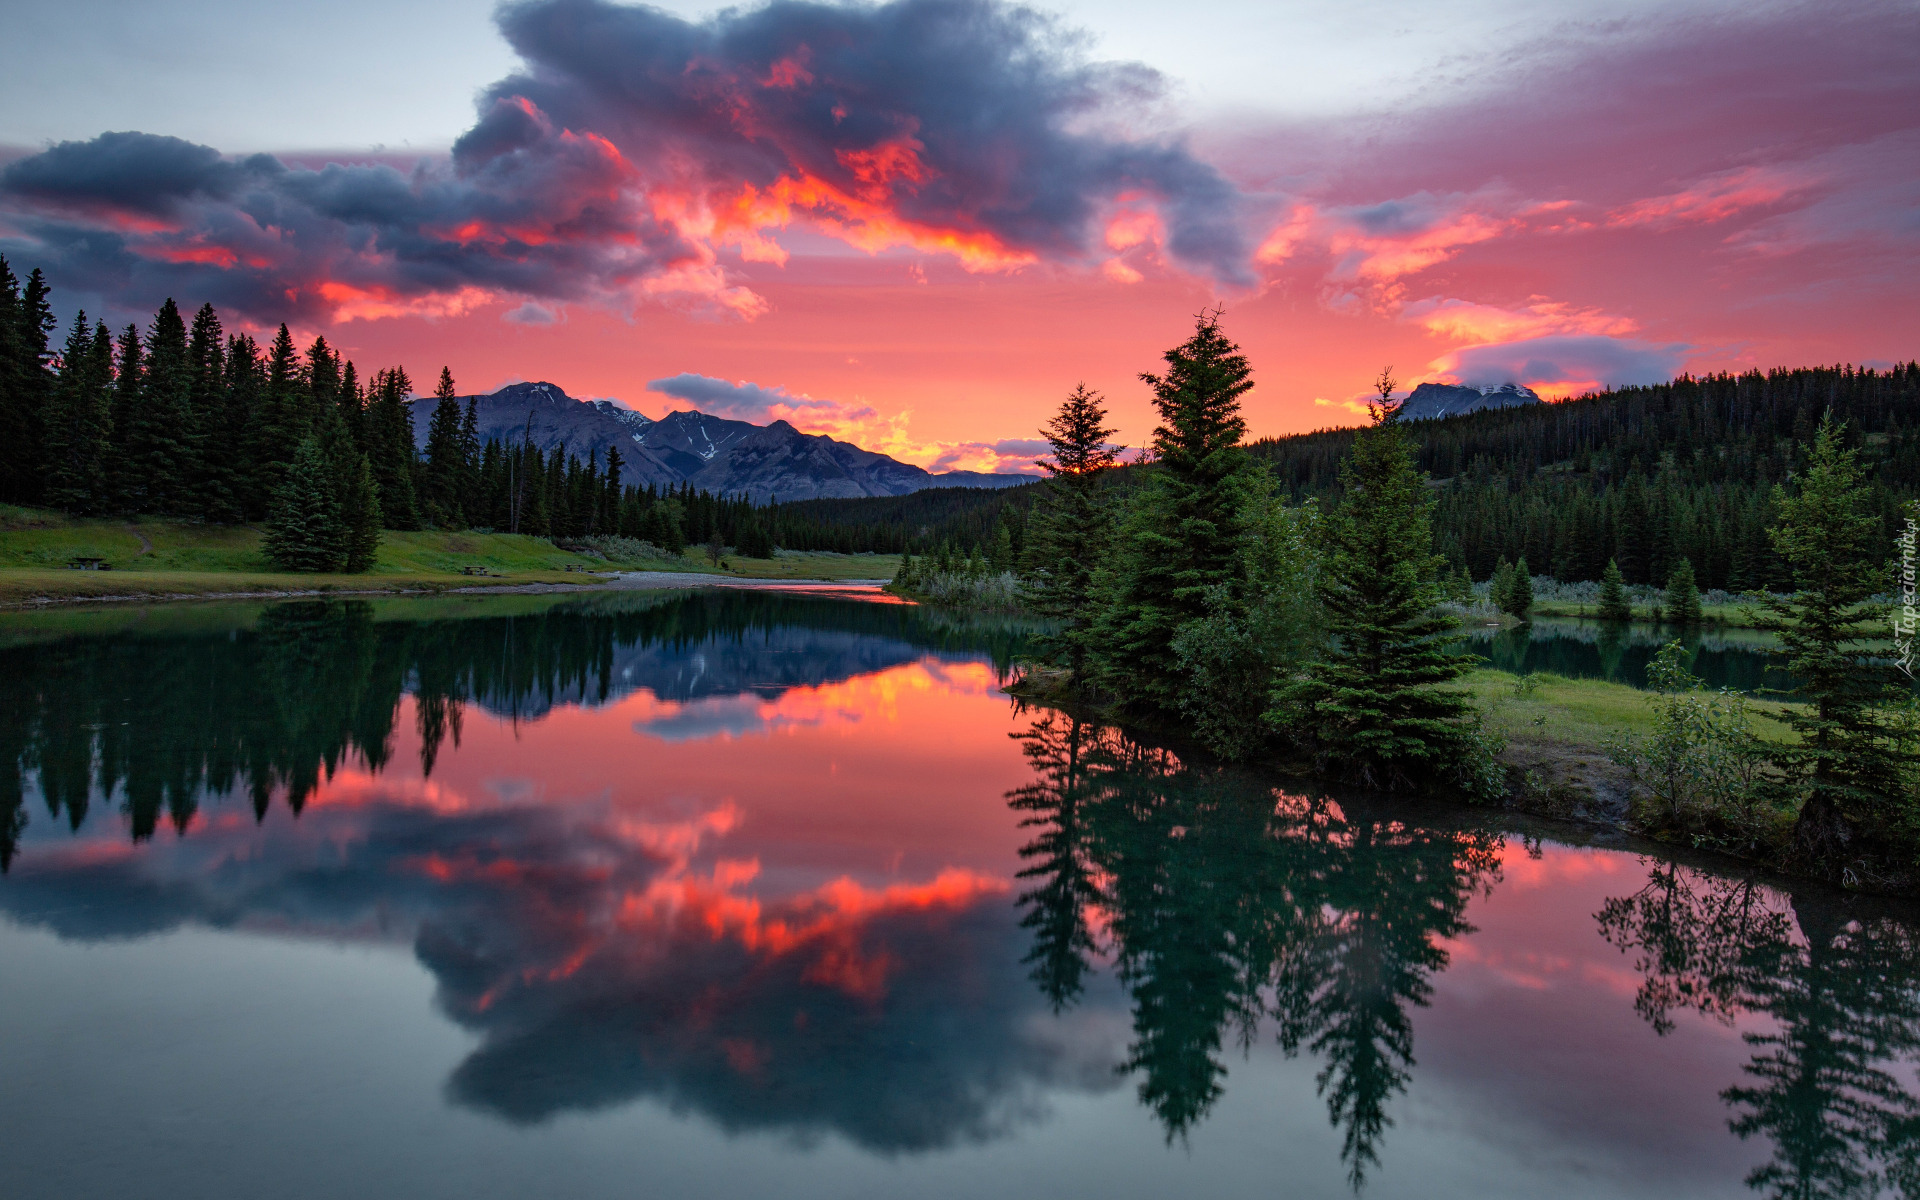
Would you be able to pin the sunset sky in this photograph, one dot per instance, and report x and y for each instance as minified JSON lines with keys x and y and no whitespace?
{"x":917,"y":225}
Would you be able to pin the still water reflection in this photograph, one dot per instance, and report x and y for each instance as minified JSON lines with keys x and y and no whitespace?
{"x":742,"y":893}
{"x":1585,"y":649}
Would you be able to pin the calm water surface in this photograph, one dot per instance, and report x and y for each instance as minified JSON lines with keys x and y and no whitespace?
{"x":744,"y":894}
{"x":1585,"y":649}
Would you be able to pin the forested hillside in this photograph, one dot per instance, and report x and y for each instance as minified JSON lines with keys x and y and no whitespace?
{"x":1643,"y":475}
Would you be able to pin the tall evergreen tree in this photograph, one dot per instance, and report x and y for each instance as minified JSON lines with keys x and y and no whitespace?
{"x":157,"y":455}
{"x":1182,"y":540}
{"x":282,"y":422}
{"x":216,"y":491}
{"x":446,"y":463}
{"x":26,"y":382}
{"x":79,"y":428}
{"x":245,"y":384}
{"x":1071,"y":530}
{"x":1613,"y":595}
{"x":390,"y":447}
{"x":129,"y":367}
{"x":1848,"y":765}
{"x":1374,"y":708}
{"x":303,"y":531}
{"x":1683,"y":595}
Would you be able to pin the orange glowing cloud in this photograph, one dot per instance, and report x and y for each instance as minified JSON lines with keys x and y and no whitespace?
{"x":1712,"y":199}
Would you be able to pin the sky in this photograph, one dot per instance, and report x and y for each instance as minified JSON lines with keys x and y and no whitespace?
{"x":917,"y":225}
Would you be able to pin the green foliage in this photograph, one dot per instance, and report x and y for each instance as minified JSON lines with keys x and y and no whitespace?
{"x":1614,"y":605}
{"x":1850,"y":770}
{"x":1373,"y":708}
{"x":1232,"y":656}
{"x":1513,"y":588}
{"x":1071,"y":528}
{"x":304,"y":531}
{"x":1702,"y":766}
{"x":1182,"y":538}
{"x":1683,"y":596}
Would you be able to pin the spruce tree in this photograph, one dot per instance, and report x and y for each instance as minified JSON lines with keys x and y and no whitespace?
{"x":158,"y":454}
{"x":282,"y":422}
{"x":303,"y":531}
{"x":359,"y":518}
{"x":1071,"y":528}
{"x":246,"y":381}
{"x":1848,"y":766}
{"x":26,"y":383}
{"x":1613,"y":595}
{"x":125,"y":485}
{"x":472,"y":499}
{"x":79,"y":425}
{"x":1683,"y":595}
{"x":390,"y":447}
{"x":1515,"y":596}
{"x":215,"y":493}
{"x":1181,"y":545}
{"x":445,"y":465}
{"x":1373,"y":708}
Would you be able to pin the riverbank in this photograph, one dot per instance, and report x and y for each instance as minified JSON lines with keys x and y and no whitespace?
{"x":1556,"y":732}
{"x":143,"y":561}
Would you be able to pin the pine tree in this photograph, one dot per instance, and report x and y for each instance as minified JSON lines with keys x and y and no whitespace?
{"x":1517,"y":599}
{"x":1848,"y":764}
{"x":281,"y":424}
{"x":1181,"y":545}
{"x":1683,"y":595}
{"x":359,"y":518}
{"x":445,"y":460}
{"x":390,"y":442}
{"x":128,"y":367}
{"x":303,"y":532}
{"x":26,"y":383}
{"x":472,"y":501}
{"x":1613,"y":595}
{"x":157,"y":455}
{"x":1373,"y":708}
{"x":245,"y":384}
{"x":214,"y":494}
{"x":79,"y":427}
{"x":1072,"y":526}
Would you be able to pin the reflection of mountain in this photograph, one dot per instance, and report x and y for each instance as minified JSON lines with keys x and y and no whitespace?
{"x":275,"y":705}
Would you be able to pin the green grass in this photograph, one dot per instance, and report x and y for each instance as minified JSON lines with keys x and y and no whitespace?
{"x":150,"y":559}
{"x":1737,"y":616}
{"x":1583,"y":712}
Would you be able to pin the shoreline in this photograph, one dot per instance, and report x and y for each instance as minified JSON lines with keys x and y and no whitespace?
{"x":612,"y":582}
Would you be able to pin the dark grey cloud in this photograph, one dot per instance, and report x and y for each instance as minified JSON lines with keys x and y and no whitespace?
{"x":744,"y":401}
{"x":635,"y":146}
{"x":1574,"y":358}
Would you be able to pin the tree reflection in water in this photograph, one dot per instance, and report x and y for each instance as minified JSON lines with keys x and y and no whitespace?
{"x":275,"y":705}
{"x":1839,"y":980}
{"x":1225,"y":904}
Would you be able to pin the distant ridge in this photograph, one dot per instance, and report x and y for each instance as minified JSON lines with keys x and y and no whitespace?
{"x":714,"y":454}
{"x":1431,"y":401}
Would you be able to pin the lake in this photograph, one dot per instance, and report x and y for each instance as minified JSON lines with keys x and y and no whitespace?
{"x":1586,"y":649}
{"x":775,"y":893}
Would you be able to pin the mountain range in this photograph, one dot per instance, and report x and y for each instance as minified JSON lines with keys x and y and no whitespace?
{"x":1433,"y":400}
{"x":714,"y":454}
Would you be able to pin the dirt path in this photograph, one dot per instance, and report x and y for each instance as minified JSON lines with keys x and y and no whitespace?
{"x":146,"y":547}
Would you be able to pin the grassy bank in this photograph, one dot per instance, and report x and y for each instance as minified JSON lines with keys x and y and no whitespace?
{"x":162,"y":559}
{"x":1739,"y":615}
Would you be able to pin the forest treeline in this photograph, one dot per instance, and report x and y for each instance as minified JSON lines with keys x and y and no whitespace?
{"x":187,"y":421}
{"x":1644,"y":476}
